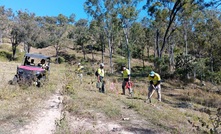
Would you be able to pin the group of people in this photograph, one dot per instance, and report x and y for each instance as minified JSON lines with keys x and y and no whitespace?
{"x":42,"y":63}
{"x":153,"y":77}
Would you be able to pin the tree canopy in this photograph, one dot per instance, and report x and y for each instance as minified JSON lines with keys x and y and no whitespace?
{"x":178,"y":36}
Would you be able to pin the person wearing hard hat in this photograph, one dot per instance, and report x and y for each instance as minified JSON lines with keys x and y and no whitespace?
{"x":100,"y":78}
{"x":155,"y":82}
{"x":79,"y":71}
{"x":126,"y":80}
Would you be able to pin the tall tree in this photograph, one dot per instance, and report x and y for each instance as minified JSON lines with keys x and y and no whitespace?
{"x":105,"y":13}
{"x":30,"y":29}
{"x":5,"y":15}
{"x":16,"y":34}
{"x":81,"y":34}
{"x":57,"y":27}
{"x":128,"y":14}
{"x":172,"y":8}
{"x":108,"y":12}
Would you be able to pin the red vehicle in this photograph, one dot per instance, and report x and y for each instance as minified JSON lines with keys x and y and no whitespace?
{"x":30,"y":73}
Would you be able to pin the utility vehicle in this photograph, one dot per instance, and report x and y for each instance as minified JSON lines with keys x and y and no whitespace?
{"x":34,"y":70}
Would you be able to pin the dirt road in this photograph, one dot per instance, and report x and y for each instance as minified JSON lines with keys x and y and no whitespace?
{"x":45,"y":120}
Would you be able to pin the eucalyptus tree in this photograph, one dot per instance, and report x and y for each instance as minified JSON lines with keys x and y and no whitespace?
{"x":137,"y":40}
{"x":105,"y":12}
{"x":16,"y":33}
{"x":97,"y":11}
{"x":213,"y":3}
{"x":95,"y":36}
{"x":207,"y":31}
{"x":43,"y":37}
{"x":5,"y":15}
{"x":81,"y":34}
{"x":71,"y":18}
{"x":62,"y":20}
{"x":128,"y":14}
{"x":108,"y":12}
{"x":169,"y":10}
{"x":57,"y":29}
{"x":149,"y":34}
{"x":30,"y":28}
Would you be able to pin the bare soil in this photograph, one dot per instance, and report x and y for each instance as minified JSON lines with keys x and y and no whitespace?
{"x":45,"y":119}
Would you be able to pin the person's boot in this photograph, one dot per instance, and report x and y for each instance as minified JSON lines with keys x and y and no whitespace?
{"x":131,"y":92}
{"x":123,"y":92}
{"x":148,"y":99}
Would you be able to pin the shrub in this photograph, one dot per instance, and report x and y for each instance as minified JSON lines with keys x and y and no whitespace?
{"x":119,"y":62}
{"x":5,"y":55}
{"x":60,"y":60}
{"x":141,"y":71}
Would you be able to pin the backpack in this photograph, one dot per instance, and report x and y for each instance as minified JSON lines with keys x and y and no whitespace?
{"x":96,"y":73}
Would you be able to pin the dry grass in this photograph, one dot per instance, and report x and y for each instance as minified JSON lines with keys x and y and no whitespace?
{"x":85,"y":107}
{"x":171,"y":116}
{"x":18,"y":104}
{"x":84,"y":102}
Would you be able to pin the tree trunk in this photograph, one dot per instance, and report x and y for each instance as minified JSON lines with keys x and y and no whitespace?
{"x":128,"y":52}
{"x":1,"y":36}
{"x":57,"y":51}
{"x":156,"y":47}
{"x":14,"y":47}
{"x":128,"y":48}
{"x":83,"y":50}
{"x":185,"y":38}
{"x":92,"y":52}
{"x":171,"y":56}
{"x":102,"y":47}
{"x":27,"y":48}
{"x":110,"y":51}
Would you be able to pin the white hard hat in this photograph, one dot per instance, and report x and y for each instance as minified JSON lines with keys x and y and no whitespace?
{"x":79,"y":63}
{"x":152,"y":73}
{"x":102,"y":64}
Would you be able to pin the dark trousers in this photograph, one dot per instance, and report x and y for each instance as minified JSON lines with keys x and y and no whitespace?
{"x":102,"y":87}
{"x":124,"y":84}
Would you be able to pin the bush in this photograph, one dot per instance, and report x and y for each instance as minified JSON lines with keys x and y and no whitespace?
{"x":60,"y":60}
{"x":151,"y":58}
{"x":140,"y":71}
{"x":214,"y":77}
{"x":67,"y":57}
{"x":119,"y":62}
{"x":5,"y":55}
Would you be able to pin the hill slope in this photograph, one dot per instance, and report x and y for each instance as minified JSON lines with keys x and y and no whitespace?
{"x":183,"y":109}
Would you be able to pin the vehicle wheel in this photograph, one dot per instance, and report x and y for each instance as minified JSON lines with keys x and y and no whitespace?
{"x":14,"y":81}
{"x":38,"y":84}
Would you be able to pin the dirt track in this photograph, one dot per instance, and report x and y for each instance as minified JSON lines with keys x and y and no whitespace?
{"x":45,"y":120}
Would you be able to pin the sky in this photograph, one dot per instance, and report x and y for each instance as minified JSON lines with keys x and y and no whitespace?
{"x":48,"y":7}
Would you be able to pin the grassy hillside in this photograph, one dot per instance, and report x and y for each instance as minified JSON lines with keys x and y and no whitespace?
{"x":185,"y":107}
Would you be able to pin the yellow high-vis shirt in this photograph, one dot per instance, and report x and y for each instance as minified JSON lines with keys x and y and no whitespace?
{"x":155,"y":79}
{"x":126,"y":72}
{"x":101,"y":72}
{"x":80,"y":69}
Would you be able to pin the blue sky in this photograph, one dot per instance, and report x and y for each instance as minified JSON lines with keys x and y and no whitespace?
{"x":48,"y":7}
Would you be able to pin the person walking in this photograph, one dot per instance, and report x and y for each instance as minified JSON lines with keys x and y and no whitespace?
{"x":126,"y":80}
{"x":155,"y":84}
{"x":100,"y":77}
{"x":80,"y":72}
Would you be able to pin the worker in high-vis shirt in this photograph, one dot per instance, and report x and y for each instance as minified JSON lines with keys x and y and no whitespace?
{"x":126,"y":79}
{"x":79,"y":72}
{"x":100,"y":77}
{"x":155,"y":84}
